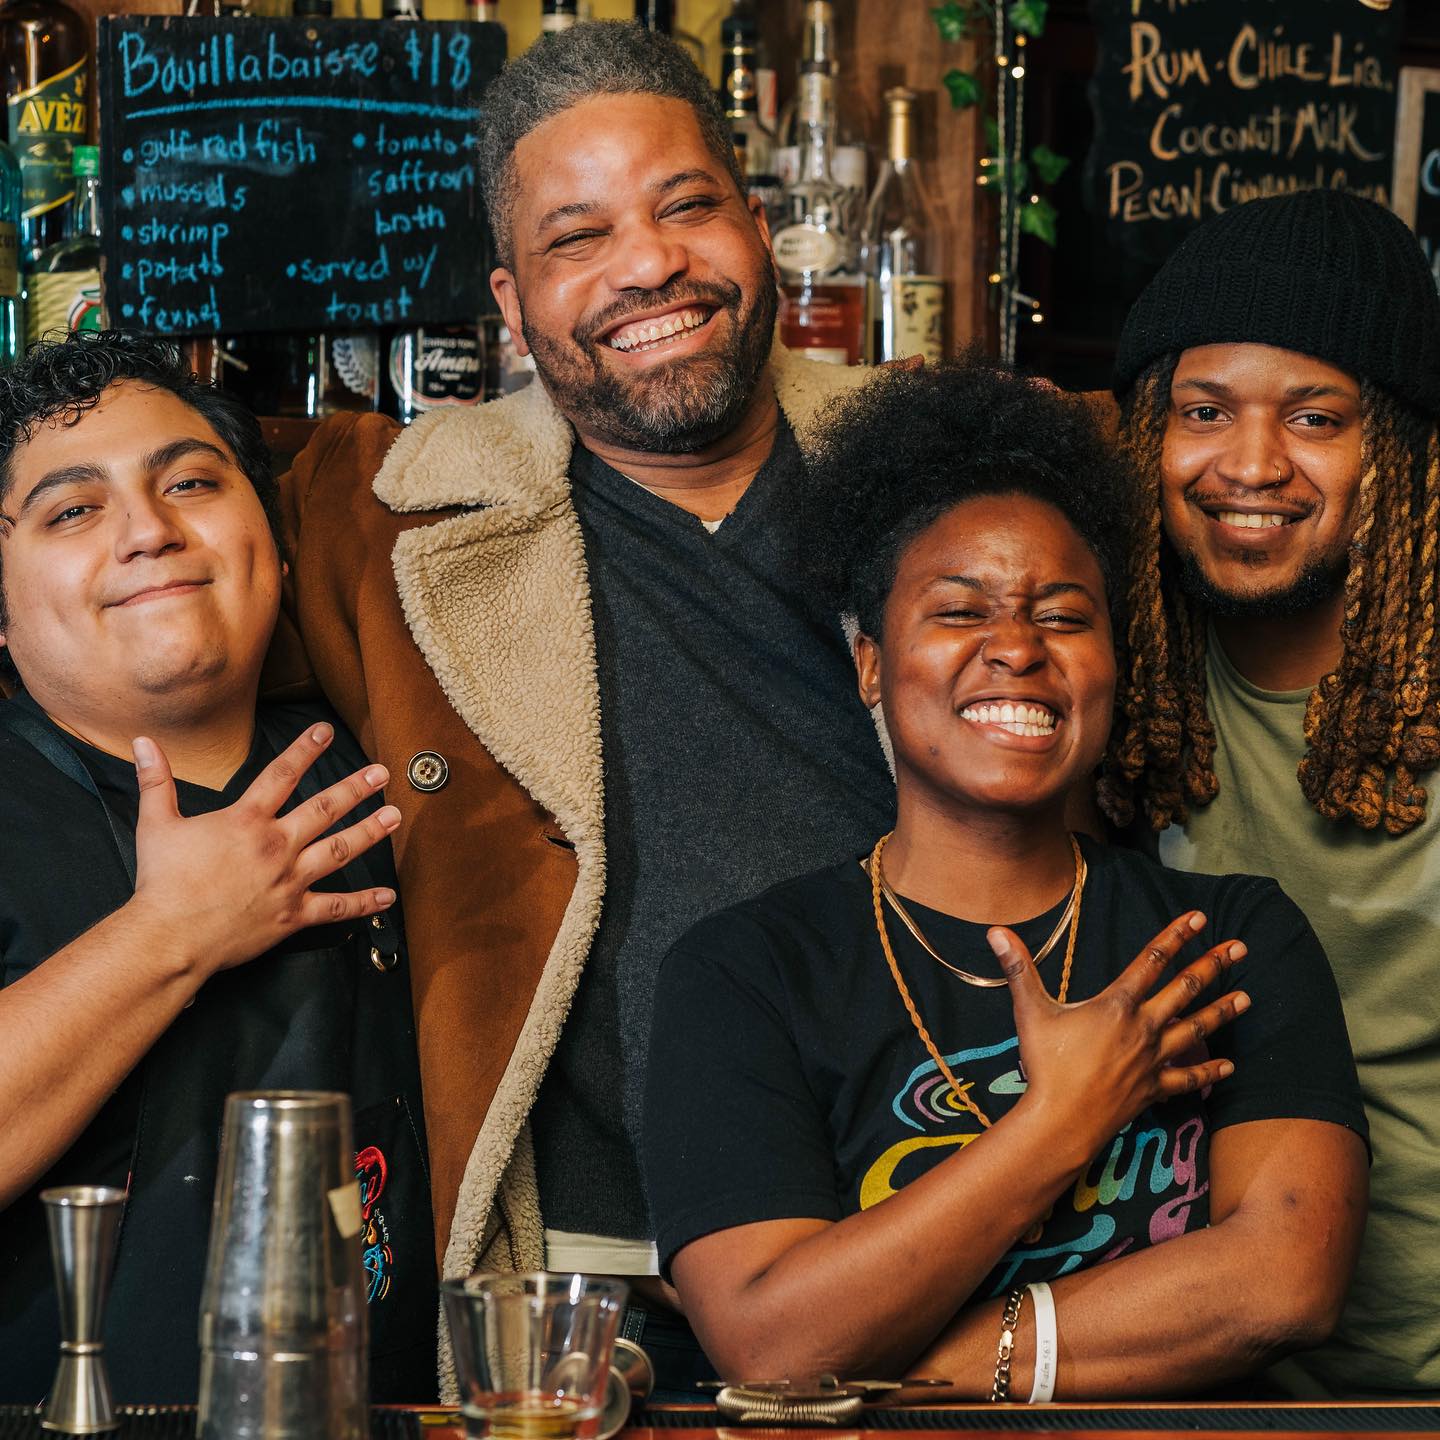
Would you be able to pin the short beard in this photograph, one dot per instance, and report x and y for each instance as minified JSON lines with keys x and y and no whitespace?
{"x":675,"y":408}
{"x":1318,"y":582}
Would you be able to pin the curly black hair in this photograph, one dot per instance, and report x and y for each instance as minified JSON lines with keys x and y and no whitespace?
{"x":61,"y":380}
{"x":898,"y":453}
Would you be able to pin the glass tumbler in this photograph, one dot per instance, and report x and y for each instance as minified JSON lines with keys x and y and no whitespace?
{"x":532,"y":1352}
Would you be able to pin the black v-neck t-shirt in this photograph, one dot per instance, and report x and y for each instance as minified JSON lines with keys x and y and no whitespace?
{"x":314,"y":1013}
{"x":737,"y":754}
{"x":788,"y":1081}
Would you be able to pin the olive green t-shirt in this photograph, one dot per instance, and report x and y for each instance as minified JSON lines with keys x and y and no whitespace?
{"x":1374,"y":901}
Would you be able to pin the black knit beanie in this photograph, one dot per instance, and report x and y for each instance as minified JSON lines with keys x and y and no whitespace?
{"x":1320,"y":272}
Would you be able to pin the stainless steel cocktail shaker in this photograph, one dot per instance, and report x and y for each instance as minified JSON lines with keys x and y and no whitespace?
{"x":282,"y":1317}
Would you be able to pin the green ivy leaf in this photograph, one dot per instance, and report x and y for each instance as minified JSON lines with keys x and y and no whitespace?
{"x":1028,"y":16}
{"x":964,"y":88}
{"x":1042,"y":220}
{"x":1048,"y":165}
{"x":952,"y":19}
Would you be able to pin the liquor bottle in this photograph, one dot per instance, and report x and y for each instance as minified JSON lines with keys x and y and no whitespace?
{"x":401,"y":10}
{"x":740,"y":94}
{"x":11,"y":307}
{"x":849,"y":159}
{"x":742,"y":25}
{"x":557,"y":15}
{"x":506,"y":369}
{"x":822,"y":299}
{"x":344,"y":372}
{"x":304,"y":374}
{"x":43,"y":48}
{"x":900,"y":250}
{"x":433,"y":367}
{"x":62,"y":290}
{"x":483,"y":11}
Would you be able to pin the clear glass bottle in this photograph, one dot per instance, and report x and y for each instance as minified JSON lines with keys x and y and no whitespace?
{"x":62,"y":290}
{"x":849,"y":158}
{"x":822,"y":293}
{"x":43,"y":49}
{"x":900,"y":249}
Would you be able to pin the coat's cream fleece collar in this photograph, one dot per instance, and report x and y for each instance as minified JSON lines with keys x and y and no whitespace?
{"x":516,"y":451}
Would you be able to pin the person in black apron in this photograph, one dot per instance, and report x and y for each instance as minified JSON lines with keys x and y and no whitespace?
{"x":136,"y":542}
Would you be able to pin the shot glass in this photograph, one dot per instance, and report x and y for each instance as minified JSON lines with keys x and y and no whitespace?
{"x":532,"y":1352}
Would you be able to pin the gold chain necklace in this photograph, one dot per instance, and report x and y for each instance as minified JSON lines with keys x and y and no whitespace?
{"x":876,"y":896}
{"x":986,"y":982}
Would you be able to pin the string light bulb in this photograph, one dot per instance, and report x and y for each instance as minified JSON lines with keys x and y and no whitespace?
{"x":1018,"y":72}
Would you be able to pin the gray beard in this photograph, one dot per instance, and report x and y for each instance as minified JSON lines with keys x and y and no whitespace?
{"x":674,"y":409}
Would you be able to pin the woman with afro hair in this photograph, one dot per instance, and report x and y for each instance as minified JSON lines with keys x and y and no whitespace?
{"x":901,"y":1110}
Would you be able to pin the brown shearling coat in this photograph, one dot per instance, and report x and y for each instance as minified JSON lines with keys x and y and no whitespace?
{"x":441,"y":592}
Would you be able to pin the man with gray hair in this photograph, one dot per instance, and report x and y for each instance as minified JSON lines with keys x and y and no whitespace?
{"x":573,"y":620}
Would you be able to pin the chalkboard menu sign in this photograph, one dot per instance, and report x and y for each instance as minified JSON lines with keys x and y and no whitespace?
{"x":1417,"y":159}
{"x":1201,"y":105}
{"x":292,"y":174}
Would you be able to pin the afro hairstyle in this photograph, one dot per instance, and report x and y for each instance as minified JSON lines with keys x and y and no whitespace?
{"x":895,"y":455}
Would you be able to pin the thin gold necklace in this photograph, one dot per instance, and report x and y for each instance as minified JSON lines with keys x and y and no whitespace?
{"x":986,"y":982}
{"x":876,"y":897}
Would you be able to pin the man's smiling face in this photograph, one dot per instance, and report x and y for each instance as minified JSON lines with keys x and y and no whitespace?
{"x":1260,"y":476}
{"x":137,"y":558}
{"x":643,"y":282}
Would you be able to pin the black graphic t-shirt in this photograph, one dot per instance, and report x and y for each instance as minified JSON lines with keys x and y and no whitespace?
{"x":787,"y":1080}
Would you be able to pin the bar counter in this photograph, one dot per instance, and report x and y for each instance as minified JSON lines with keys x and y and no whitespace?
{"x":700,"y":1422}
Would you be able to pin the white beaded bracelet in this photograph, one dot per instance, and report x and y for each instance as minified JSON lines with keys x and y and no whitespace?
{"x":1047,"y":1344}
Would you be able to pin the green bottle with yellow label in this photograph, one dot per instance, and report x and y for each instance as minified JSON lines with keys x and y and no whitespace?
{"x":44,"y":50}
{"x":62,"y":290}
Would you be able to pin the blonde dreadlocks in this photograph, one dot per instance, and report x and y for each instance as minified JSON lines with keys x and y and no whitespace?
{"x":1372,"y":725}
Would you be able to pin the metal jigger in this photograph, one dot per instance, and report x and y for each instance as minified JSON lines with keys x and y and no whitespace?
{"x":283,"y":1349}
{"x":84,"y":1223}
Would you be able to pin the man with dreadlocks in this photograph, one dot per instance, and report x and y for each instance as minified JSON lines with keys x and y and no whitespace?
{"x":1280,"y":385}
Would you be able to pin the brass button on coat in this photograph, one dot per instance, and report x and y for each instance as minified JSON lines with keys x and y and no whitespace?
{"x":428,"y":771}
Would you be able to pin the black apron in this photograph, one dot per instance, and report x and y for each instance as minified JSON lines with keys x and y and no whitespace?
{"x":330,"y":1009}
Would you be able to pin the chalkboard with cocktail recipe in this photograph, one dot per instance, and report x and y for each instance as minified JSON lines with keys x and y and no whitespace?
{"x":1201,"y":105}
{"x":292,"y":174}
